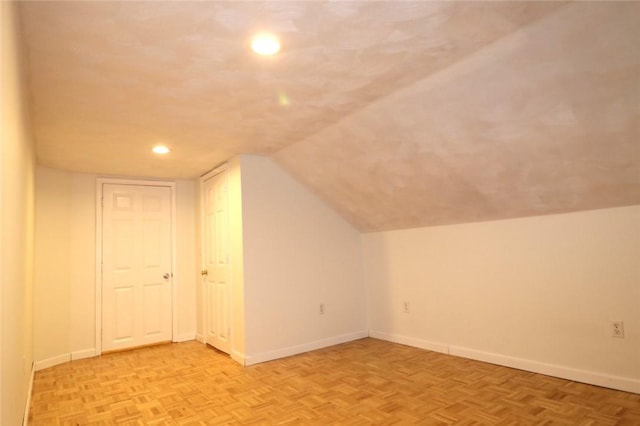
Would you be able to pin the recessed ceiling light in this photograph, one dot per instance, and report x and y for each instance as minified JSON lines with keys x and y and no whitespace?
{"x":283,"y":99}
{"x":265,"y":44}
{"x":161,"y":149}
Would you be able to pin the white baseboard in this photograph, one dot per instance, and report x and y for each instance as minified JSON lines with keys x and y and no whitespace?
{"x":582,"y":376}
{"x":61,"y":359}
{"x":85,"y":353}
{"x":563,"y":372}
{"x":305,"y":347}
{"x":27,"y":407}
{"x":238,"y":357}
{"x":200,"y":337}
{"x":410,"y":341}
{"x":50,"y":362}
{"x":185,"y":337}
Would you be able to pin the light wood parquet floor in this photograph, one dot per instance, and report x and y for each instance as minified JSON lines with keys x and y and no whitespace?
{"x":366,"y":382}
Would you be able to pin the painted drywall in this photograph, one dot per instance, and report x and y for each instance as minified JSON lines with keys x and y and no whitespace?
{"x":536,"y":293}
{"x":53,"y":224}
{"x":297,"y":254}
{"x":64,"y":318}
{"x":186,"y":273}
{"x":17,"y":162}
{"x":236,"y":250}
{"x":199,"y":307}
{"x":64,"y":298}
{"x":82,"y":265}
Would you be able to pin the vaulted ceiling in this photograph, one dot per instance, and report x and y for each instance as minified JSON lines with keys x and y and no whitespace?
{"x":398,"y":114}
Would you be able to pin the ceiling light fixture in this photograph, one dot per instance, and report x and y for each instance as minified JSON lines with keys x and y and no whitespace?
{"x":161,"y":149}
{"x":265,"y":44}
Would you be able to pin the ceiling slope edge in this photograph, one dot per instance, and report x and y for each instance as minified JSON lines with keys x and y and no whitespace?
{"x":288,"y":157}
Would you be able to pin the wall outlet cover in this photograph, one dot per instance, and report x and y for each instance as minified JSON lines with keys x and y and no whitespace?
{"x":617,"y":329}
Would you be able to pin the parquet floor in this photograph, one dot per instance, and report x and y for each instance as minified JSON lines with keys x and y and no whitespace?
{"x":366,"y":382}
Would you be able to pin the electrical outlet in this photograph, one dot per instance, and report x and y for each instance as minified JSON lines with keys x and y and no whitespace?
{"x":617,"y":329}
{"x":405,"y":307}
{"x":321,"y":309}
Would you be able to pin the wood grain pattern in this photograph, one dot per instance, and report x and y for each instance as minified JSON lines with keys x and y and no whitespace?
{"x":358,"y":383}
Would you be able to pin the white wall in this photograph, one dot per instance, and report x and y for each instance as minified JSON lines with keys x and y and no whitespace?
{"x":53,"y":263}
{"x":82,"y":242}
{"x":236,"y":249}
{"x":187,"y":273}
{"x":536,"y":293}
{"x":298,"y":253}
{"x":17,"y":162}
{"x":64,"y":299}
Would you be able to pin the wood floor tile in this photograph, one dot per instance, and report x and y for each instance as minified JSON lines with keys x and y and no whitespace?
{"x":366,"y":382}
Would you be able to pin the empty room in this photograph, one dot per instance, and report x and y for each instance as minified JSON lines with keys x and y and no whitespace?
{"x":314,"y":212}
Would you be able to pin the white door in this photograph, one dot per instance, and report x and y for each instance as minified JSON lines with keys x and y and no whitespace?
{"x":217,"y":288}
{"x":136,"y":266}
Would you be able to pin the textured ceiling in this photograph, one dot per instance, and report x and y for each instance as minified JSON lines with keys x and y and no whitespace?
{"x":398,"y":114}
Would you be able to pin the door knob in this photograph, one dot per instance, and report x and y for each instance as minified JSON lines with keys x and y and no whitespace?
{"x":166,"y":276}
{"x":204,"y":272}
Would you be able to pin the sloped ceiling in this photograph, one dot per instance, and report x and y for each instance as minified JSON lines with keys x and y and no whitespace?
{"x":398,"y":114}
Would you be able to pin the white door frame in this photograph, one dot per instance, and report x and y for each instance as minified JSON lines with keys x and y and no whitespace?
{"x":203,"y":260}
{"x":174,"y":284}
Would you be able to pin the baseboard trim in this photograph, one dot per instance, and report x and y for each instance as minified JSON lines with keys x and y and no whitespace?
{"x":305,"y":347}
{"x":85,"y":353}
{"x":185,"y":337}
{"x":53,"y":361}
{"x":576,"y":375}
{"x":200,"y":337}
{"x":563,"y":372}
{"x":61,"y":359}
{"x":410,"y":341}
{"x":238,"y":357}
{"x":27,"y":407}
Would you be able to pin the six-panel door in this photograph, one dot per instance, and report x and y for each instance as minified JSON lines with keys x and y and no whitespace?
{"x":136,"y":269}
{"x":217,"y":262}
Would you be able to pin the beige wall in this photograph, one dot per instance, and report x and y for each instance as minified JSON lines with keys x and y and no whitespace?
{"x":537,"y":293}
{"x":17,"y":163}
{"x":298,"y":253}
{"x":289,"y":254}
{"x":187,"y":269}
{"x":64,"y":299}
{"x":53,"y":263}
{"x":236,"y":236}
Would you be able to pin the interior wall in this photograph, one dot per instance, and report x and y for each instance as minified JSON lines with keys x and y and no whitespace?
{"x":53,"y":263}
{"x":82,"y":262}
{"x":187,"y":270}
{"x":236,"y":242}
{"x":298,"y":254}
{"x":64,"y":317}
{"x":65,"y":244}
{"x":536,"y":293}
{"x":17,"y":162}
{"x":199,"y":311}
